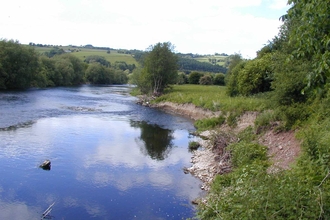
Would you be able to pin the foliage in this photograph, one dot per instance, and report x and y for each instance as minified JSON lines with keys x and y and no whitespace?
{"x":182,"y":78}
{"x":232,"y":78}
{"x":206,"y":80}
{"x":47,"y":68}
{"x":98,"y":59}
{"x":311,"y":37}
{"x":290,"y":80}
{"x":188,"y":64}
{"x":18,"y":65}
{"x":54,"y":51}
{"x":193,"y":78}
{"x":209,"y":123}
{"x":219,"y":79}
{"x":124,"y":66}
{"x":120,"y":77}
{"x":265,"y":119}
{"x":193,"y":145}
{"x":78,"y":68}
{"x":256,"y":76}
{"x":247,"y":153}
{"x":251,"y":192}
{"x":160,"y":67}
{"x":250,"y":77}
{"x":98,"y":74}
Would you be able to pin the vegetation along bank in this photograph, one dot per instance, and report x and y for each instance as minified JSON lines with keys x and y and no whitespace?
{"x":271,"y":132}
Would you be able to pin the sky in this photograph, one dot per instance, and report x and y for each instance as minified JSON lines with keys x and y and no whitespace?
{"x":192,"y":26}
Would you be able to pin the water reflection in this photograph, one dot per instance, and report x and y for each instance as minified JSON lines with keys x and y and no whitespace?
{"x":106,"y":164}
{"x":157,"y":142}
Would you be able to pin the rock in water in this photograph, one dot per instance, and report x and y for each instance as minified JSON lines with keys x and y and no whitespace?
{"x":45,"y":165}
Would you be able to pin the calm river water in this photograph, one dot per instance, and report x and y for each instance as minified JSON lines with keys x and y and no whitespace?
{"x":111,"y":158}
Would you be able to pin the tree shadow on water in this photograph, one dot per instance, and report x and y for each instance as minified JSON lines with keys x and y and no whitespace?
{"x":157,"y":142}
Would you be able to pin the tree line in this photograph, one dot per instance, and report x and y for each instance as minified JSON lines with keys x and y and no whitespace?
{"x":22,"y":67}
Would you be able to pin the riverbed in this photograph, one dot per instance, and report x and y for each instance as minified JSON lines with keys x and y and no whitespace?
{"x":110,"y":158}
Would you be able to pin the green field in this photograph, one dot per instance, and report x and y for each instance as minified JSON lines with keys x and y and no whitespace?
{"x":82,"y":53}
{"x":219,"y":60}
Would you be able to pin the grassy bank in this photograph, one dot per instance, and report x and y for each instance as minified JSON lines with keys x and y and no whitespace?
{"x":213,"y":98}
{"x":250,"y":191}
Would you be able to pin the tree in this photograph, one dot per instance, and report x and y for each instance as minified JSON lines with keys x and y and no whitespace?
{"x":206,"y":80}
{"x":194,"y":77}
{"x":311,"y":37}
{"x":160,"y":67}
{"x":98,"y":74}
{"x":219,"y":79}
{"x":78,"y":67}
{"x":18,"y":65}
{"x":98,"y":59}
{"x":182,"y":78}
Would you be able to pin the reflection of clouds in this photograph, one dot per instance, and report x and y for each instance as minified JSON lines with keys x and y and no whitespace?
{"x":126,"y":152}
{"x":93,"y":209}
{"x":160,"y":178}
{"x":139,"y":169}
{"x":70,"y":202}
{"x":17,"y":211}
{"x":183,"y":186}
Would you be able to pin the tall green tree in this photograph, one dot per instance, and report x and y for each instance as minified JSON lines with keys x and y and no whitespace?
{"x":160,"y":67}
{"x":18,"y":65}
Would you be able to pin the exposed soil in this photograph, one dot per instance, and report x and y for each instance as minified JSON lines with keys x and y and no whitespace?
{"x":187,"y":109}
{"x":213,"y":159}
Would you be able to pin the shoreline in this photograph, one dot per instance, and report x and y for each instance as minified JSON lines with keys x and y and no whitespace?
{"x":213,"y":159}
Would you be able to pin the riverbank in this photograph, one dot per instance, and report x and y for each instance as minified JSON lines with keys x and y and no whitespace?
{"x":213,"y":158}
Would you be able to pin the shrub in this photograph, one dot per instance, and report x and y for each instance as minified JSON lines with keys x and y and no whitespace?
{"x":193,"y":145}
{"x":205,"y":80}
{"x":219,"y":79}
{"x":194,"y":77}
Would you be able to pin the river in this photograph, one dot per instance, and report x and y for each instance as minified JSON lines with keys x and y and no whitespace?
{"x":110,"y":158}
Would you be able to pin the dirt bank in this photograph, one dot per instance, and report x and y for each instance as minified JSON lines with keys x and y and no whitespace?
{"x":213,"y":159}
{"x":187,"y":109}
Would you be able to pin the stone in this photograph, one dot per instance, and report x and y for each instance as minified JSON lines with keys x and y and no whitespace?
{"x":45,"y":165}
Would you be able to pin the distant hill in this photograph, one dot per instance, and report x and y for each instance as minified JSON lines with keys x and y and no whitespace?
{"x":111,"y":55}
{"x":187,"y":62}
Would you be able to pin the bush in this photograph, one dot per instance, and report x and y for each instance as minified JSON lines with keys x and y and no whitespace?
{"x":193,"y":145}
{"x":256,"y":76}
{"x":289,"y":81}
{"x":219,"y":79}
{"x":205,"y":80}
{"x":194,"y":77}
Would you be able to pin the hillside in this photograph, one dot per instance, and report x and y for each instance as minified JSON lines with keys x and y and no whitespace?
{"x":187,"y":62}
{"x":83,"y":52}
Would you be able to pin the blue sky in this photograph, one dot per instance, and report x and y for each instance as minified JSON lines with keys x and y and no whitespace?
{"x":193,"y":26}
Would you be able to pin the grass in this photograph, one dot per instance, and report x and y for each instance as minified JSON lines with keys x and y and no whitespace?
{"x":112,"y":57}
{"x":221,"y":60}
{"x":213,"y":98}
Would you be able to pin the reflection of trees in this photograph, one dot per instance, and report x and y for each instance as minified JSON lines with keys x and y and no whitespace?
{"x":157,"y":141}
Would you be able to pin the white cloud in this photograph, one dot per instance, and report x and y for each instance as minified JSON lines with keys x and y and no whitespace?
{"x":193,"y":26}
{"x":279,"y":4}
